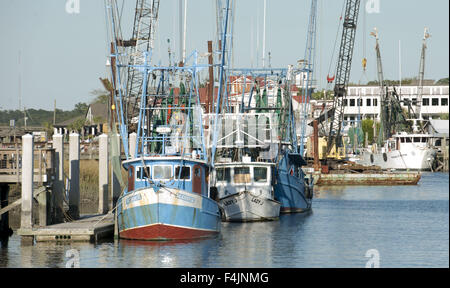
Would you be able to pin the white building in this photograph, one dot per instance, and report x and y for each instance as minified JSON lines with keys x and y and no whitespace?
{"x":365,"y":102}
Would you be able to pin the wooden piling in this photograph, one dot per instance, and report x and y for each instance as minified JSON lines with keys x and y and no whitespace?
{"x":316,"y":146}
{"x":103,"y":175}
{"x":5,"y":231}
{"x":58,"y":185}
{"x":132,"y":143}
{"x":74,"y":172}
{"x":115,"y":157}
{"x":26,"y":220}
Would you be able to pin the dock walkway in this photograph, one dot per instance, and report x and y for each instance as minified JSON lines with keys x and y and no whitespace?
{"x":89,"y":228}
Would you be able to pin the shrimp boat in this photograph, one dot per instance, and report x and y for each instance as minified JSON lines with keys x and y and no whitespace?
{"x":168,"y":194}
{"x":245,"y":186}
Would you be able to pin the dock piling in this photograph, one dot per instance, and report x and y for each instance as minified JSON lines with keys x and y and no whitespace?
{"x":26,"y":219}
{"x":132,"y":144}
{"x":103,"y":175}
{"x":74,"y":172}
{"x":58,"y":185}
{"x":5,"y":231}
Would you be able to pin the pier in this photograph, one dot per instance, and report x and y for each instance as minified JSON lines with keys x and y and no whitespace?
{"x":40,"y":173}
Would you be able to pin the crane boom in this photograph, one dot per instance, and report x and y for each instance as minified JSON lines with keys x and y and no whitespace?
{"x":343,"y":72}
{"x":426,"y":35}
{"x":146,"y":17}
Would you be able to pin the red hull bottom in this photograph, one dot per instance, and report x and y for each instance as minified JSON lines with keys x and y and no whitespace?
{"x":160,"y":232}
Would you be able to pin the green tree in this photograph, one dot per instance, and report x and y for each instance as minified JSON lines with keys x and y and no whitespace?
{"x":443,"y":81}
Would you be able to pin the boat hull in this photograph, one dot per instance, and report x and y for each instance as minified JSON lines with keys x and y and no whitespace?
{"x":245,"y":207}
{"x":290,"y":191}
{"x":419,"y":159}
{"x":167,"y":214}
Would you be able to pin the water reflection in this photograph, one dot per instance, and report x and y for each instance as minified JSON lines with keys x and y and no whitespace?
{"x":408,"y":225}
{"x":167,"y":254}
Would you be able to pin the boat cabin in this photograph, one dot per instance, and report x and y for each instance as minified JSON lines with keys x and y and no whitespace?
{"x":234,"y":178}
{"x":168,"y":172}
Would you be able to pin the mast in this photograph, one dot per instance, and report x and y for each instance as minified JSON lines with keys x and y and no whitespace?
{"x":264,"y":35}
{"x":426,"y":35}
{"x":308,"y":70}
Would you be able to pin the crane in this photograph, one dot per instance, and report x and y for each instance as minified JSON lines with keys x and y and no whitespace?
{"x":426,"y":35}
{"x":382,"y":86}
{"x":343,"y":72}
{"x":308,"y":69}
{"x":146,"y":17}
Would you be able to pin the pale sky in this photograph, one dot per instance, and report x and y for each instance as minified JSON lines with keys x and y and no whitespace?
{"x":63,"y":55}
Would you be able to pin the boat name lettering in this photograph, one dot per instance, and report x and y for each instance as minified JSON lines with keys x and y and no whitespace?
{"x":133,"y":198}
{"x":230,"y":202}
{"x":183,"y":197}
{"x":257,"y":201}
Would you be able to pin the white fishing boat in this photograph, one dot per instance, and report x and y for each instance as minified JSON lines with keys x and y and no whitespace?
{"x":245,"y":191}
{"x":404,"y":151}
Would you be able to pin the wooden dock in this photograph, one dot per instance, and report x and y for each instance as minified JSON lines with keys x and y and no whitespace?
{"x":89,"y":228}
{"x":368,"y":179}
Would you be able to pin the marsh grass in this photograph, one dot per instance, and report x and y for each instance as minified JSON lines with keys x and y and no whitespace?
{"x":89,"y":186}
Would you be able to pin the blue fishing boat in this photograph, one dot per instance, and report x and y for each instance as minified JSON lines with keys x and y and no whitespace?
{"x":168,"y":166}
{"x":293,"y":189}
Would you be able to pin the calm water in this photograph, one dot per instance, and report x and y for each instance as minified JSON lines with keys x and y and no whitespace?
{"x":409,"y":226}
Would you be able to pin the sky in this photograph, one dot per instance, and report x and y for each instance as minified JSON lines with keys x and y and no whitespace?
{"x":48,"y":54}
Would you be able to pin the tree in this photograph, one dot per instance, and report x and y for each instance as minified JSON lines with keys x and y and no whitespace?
{"x":77,"y":125}
{"x":101,"y":96}
{"x":81,"y":108}
{"x":443,"y":81}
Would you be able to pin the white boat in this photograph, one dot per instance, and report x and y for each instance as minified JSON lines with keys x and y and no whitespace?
{"x":404,"y":151}
{"x":245,"y":191}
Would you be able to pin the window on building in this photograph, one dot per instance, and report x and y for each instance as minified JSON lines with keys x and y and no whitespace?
{"x":375,"y":102}
{"x":426,"y":102}
{"x":414,"y":102}
{"x":444,"y":101}
{"x":368,"y":102}
{"x":345,"y":102}
{"x":435,"y":102}
{"x":352,"y":102}
{"x":360,"y":102}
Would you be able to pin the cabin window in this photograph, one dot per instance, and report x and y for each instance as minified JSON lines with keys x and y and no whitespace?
{"x":162,"y":172}
{"x":143,"y":173}
{"x":444,"y":102}
{"x":424,"y":140}
{"x":368,"y":102}
{"x":435,"y":102}
{"x":260,"y":174}
{"x":242,"y":175}
{"x":352,"y":102}
{"x":417,"y":139}
{"x":408,"y":139}
{"x":223,"y":174}
{"x":185,"y":173}
{"x":426,"y":102}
